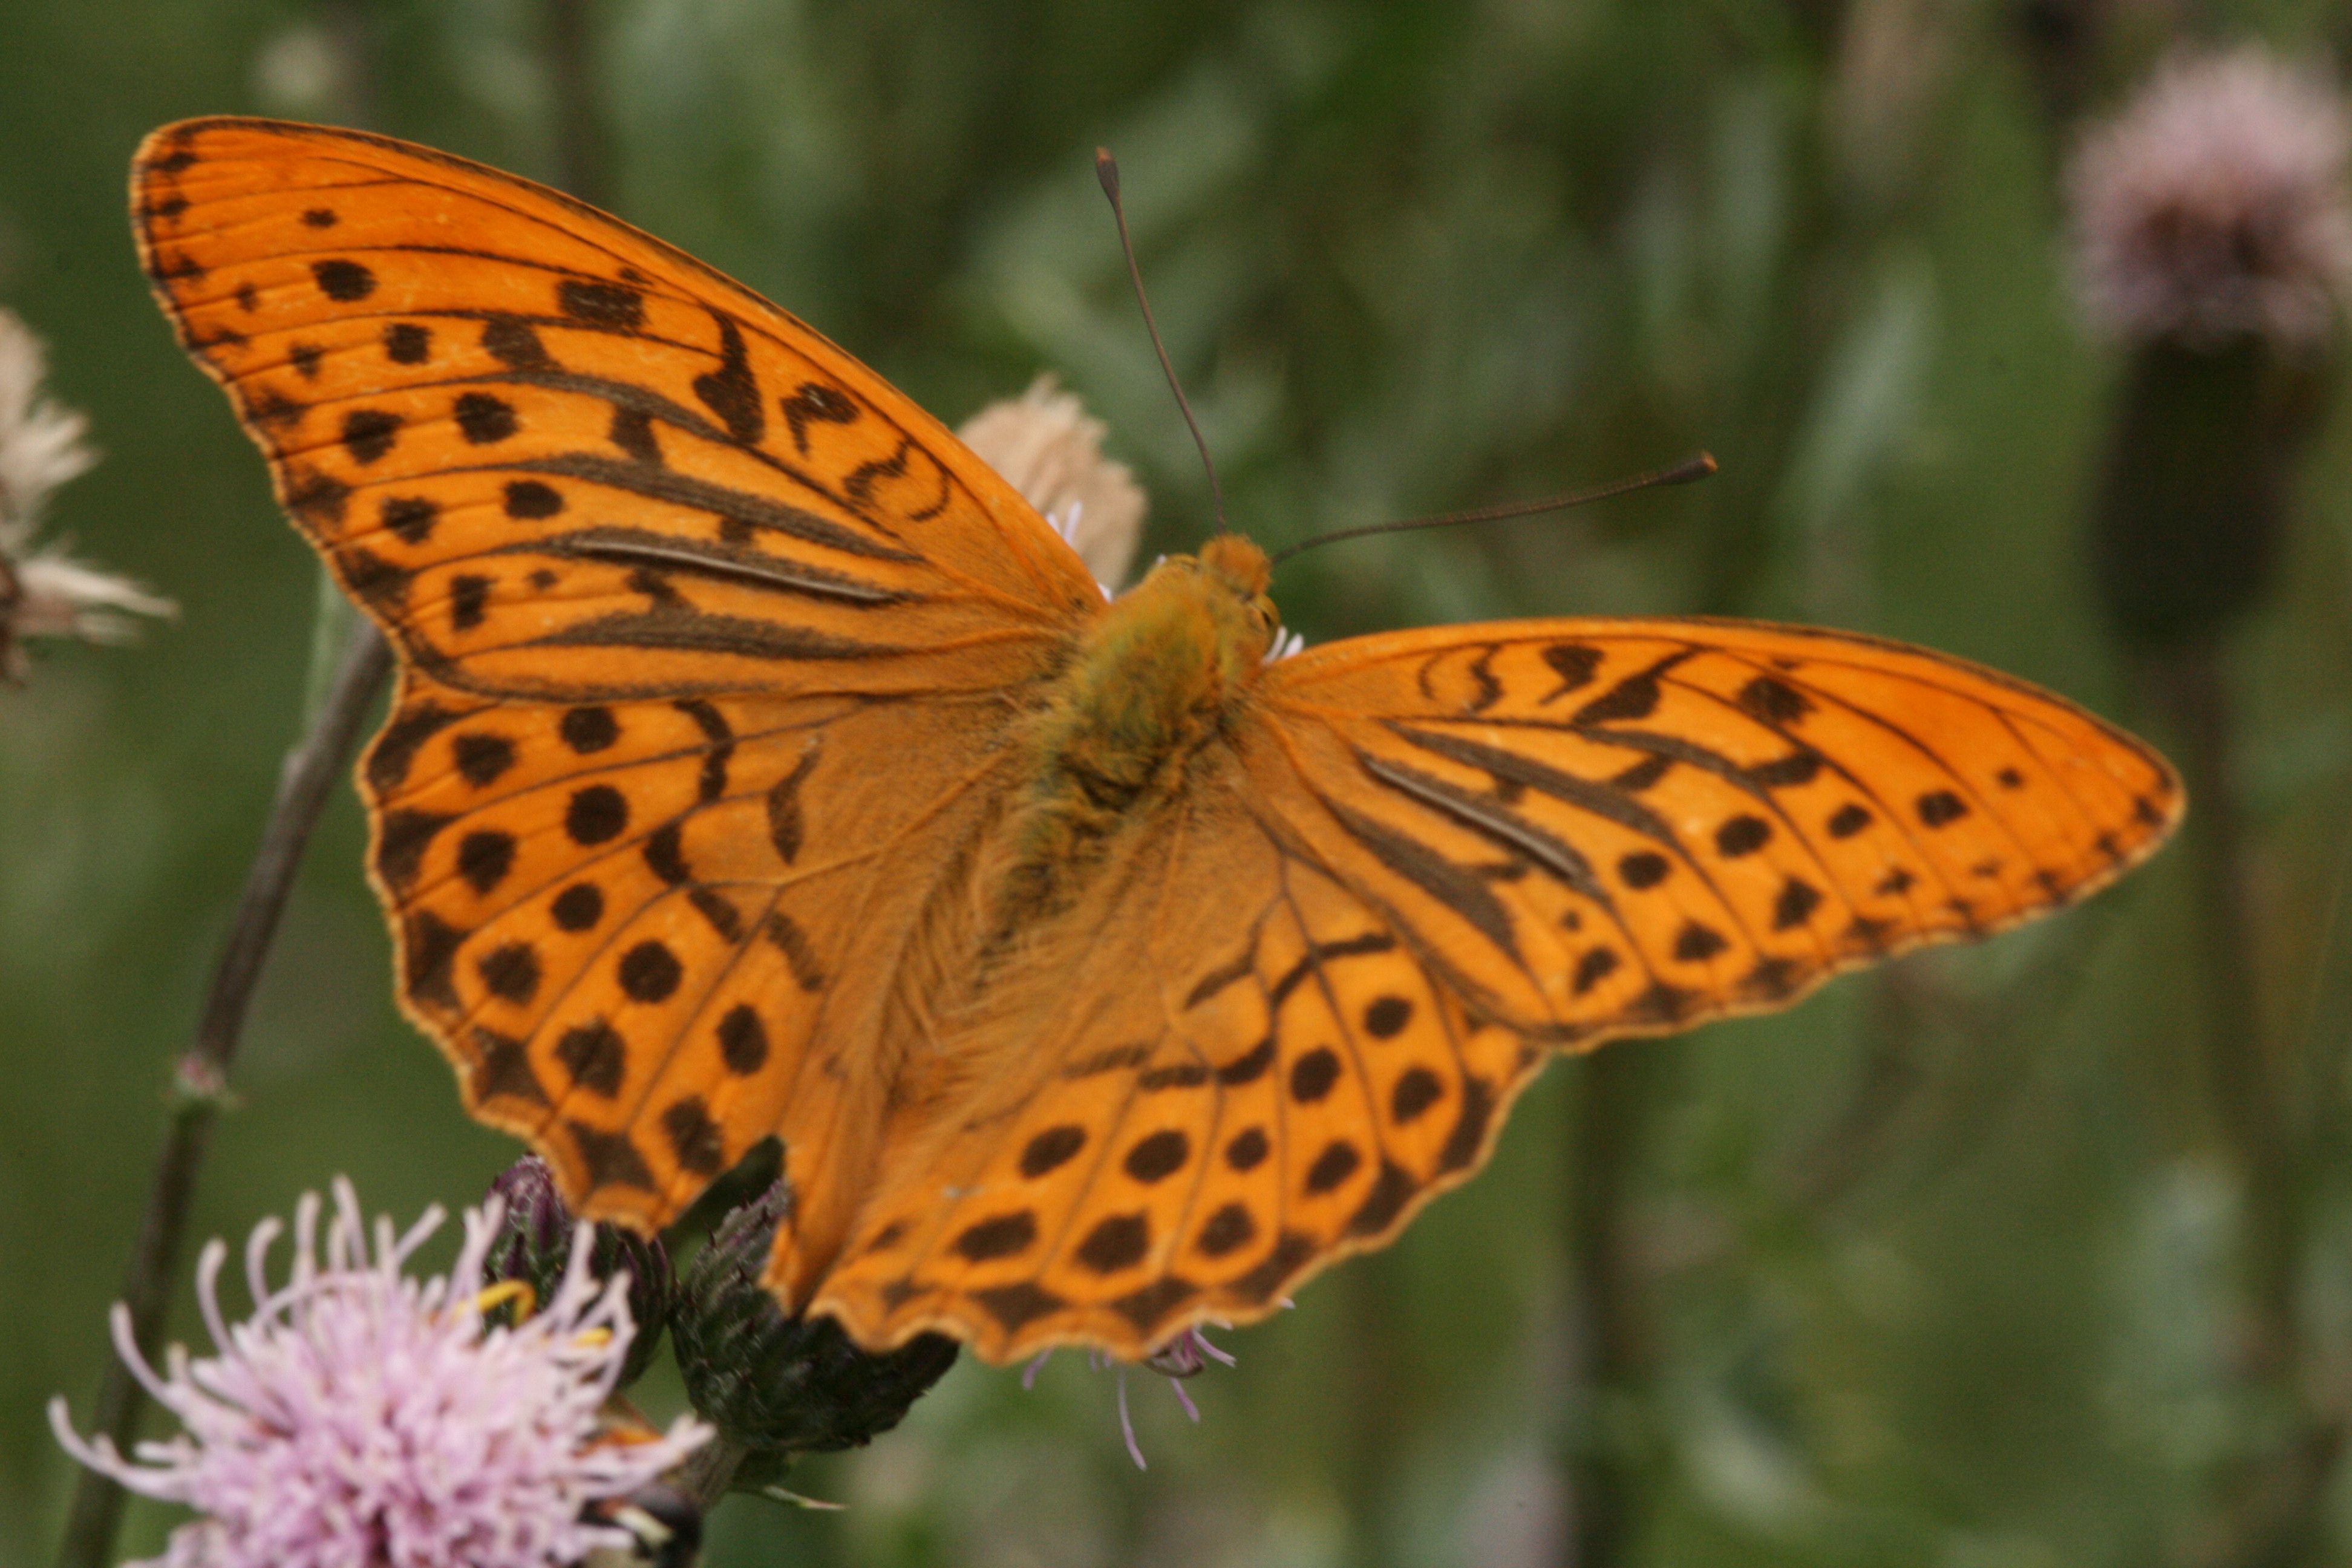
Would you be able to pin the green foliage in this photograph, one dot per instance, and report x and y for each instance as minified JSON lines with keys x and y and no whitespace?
{"x":1938,"y":1269}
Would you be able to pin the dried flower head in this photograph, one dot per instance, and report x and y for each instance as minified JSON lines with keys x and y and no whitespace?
{"x":361,"y":1416}
{"x":48,"y":594}
{"x":1050,"y":449}
{"x":2215,"y":203}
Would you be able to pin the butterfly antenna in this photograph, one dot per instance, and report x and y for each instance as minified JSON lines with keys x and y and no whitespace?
{"x":1107,"y":171}
{"x":1695,"y":467}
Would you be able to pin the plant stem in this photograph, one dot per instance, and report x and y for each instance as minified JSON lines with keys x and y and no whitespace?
{"x":2275,"y":1503}
{"x":200,"y":1081}
{"x":583,"y":149}
{"x":708,"y":1471}
{"x":1609,"y":1440}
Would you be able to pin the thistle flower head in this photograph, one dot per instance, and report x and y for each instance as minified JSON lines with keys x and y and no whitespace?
{"x":777,"y":1385}
{"x":1046,"y":447}
{"x":362,"y":1416}
{"x":46,"y":593}
{"x":534,"y":1245}
{"x":2215,"y":203}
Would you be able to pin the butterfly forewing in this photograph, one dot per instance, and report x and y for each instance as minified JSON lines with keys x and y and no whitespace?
{"x":1599,"y":827}
{"x":557,"y":458}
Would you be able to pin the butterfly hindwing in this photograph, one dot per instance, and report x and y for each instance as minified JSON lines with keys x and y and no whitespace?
{"x":1247,"y":1075}
{"x":628,"y":922}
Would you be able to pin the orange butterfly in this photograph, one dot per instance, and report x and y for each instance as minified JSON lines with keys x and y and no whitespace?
{"x":762,"y":764}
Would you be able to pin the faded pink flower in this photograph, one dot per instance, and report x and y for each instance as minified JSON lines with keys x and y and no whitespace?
{"x":363,"y":1417}
{"x":1050,"y":449}
{"x":2215,"y":203}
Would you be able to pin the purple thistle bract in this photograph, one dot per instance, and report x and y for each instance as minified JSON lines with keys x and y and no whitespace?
{"x":363,"y":1417}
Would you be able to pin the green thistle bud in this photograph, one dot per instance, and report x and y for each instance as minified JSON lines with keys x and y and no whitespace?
{"x":779,"y":1385}
{"x":534,"y":1246}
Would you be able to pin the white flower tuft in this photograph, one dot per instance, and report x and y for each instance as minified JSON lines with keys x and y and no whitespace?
{"x":1048,"y":447}
{"x":46,"y":591}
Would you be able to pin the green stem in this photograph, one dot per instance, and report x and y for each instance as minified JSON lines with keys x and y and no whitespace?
{"x":200,"y":1080}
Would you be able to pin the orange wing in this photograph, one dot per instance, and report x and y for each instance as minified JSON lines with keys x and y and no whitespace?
{"x":1603,"y":827}
{"x":1243,"y":1070}
{"x":663,"y":566}
{"x":1304,"y":1006}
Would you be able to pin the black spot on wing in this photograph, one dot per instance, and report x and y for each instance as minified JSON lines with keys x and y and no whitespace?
{"x":407,"y":342}
{"x":483,"y":419}
{"x":394,"y":751}
{"x":579,"y":907}
{"x":1051,"y":1149}
{"x":784,"y":934}
{"x":1146,"y":1307}
{"x":722,"y":917}
{"x":503,"y":1068}
{"x":1773,"y":701}
{"x":1574,"y":663}
{"x":787,"y":828}
{"x":732,"y":392}
{"x":410,"y":518}
{"x":1941,"y":806}
{"x":742,"y":1040}
{"x":1290,"y":1253}
{"x":815,"y":402}
{"x":1387,"y":1199}
{"x":595,"y":1056}
{"x":1015,"y":1306}
{"x":343,"y":281}
{"x":694,"y":1138}
{"x":400,"y":844}
{"x":600,"y":304}
{"x":428,"y":946}
{"x":511,"y":341}
{"x":611,"y":1158}
{"x":999,"y":1235}
{"x":1117,"y":1243}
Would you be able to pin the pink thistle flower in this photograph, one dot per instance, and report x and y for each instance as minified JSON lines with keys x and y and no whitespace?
{"x":2215,"y":203}
{"x":362,"y":1416}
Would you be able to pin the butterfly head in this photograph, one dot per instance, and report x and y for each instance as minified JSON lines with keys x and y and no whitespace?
{"x":1238,"y":572}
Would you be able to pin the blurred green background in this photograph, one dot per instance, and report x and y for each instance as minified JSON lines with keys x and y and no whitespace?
{"x":1948,"y":1266}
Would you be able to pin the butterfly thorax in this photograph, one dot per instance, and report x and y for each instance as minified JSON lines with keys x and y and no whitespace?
{"x":1159,"y":673}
